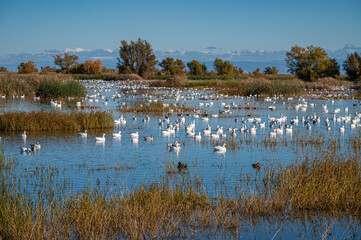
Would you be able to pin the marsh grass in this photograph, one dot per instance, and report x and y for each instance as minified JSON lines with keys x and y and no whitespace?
{"x":328,"y":184}
{"x":245,"y":85}
{"x":26,"y":84}
{"x":106,"y":76}
{"x":55,"y":121}
{"x":60,"y":89}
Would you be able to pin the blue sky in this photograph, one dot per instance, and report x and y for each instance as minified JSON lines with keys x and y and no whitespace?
{"x":38,"y":25}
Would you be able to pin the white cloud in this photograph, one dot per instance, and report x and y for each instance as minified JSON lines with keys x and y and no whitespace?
{"x":76,"y":50}
{"x":107,"y":50}
{"x":102,"y":58}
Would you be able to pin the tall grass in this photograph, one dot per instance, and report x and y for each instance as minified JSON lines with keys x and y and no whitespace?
{"x":46,"y":86}
{"x":245,"y":85}
{"x":326,"y":184}
{"x":106,"y":76}
{"x":27,"y":84}
{"x":59,"y":89}
{"x":54,"y":121}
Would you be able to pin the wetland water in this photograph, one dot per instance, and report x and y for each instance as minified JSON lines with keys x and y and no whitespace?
{"x":121,"y":164}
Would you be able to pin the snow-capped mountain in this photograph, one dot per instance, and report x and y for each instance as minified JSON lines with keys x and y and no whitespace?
{"x":246,"y":59}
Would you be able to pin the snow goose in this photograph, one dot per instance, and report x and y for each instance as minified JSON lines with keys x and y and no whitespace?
{"x":83,"y":134}
{"x":117,"y":135}
{"x":198,"y":137}
{"x":100,"y":139}
{"x":23,"y":135}
{"x":35,"y":147}
{"x":220,"y":149}
{"x":342,"y":129}
{"x":134,"y":135}
{"x":25,"y":150}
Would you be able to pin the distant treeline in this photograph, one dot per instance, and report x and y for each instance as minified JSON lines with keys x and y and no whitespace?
{"x":137,"y":57}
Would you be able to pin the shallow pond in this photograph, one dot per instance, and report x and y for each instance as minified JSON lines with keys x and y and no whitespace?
{"x":120,"y":164}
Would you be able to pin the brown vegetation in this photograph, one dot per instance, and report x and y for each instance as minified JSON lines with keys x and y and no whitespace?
{"x":54,"y":121}
{"x":327,"y":184}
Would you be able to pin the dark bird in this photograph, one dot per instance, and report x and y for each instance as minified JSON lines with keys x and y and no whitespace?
{"x":256,"y":165}
{"x":182,"y":166}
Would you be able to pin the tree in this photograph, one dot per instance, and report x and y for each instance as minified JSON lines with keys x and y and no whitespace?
{"x":3,"y":69}
{"x":27,"y":67}
{"x":352,"y":66}
{"x":67,"y":62}
{"x":93,"y":67}
{"x":311,"y":63}
{"x":195,"y":68}
{"x":173,"y":66}
{"x":225,"y":68}
{"x":270,"y":70}
{"x":107,"y":70}
{"x":136,"y":57}
{"x":257,"y":73}
{"x":204,"y":66}
{"x":47,"y":69}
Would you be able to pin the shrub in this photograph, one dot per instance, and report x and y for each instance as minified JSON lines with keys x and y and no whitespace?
{"x":56,"y":89}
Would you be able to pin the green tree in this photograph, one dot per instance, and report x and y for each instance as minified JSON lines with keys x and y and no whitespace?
{"x":225,"y":68}
{"x":47,"y":69}
{"x":204,"y":66}
{"x":136,"y":57}
{"x":107,"y":70}
{"x":195,"y":68}
{"x":257,"y":73}
{"x":3,"y":69}
{"x":173,"y":66}
{"x":352,"y":66}
{"x":67,"y":62}
{"x":311,"y":63}
{"x":270,"y":70}
{"x":27,"y":67}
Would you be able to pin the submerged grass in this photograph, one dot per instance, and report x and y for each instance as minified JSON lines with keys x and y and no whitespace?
{"x":328,"y":184}
{"x":54,"y":121}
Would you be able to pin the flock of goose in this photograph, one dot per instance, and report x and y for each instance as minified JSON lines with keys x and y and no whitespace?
{"x":33,"y":147}
{"x":205,"y":111}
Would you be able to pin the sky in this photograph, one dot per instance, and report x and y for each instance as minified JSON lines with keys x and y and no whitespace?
{"x":38,"y":25}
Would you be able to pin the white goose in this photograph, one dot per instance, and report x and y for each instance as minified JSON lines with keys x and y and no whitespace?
{"x":198,"y":137}
{"x":100,"y":139}
{"x":289,"y":129}
{"x":342,"y":129}
{"x":117,"y":135}
{"x":23,"y":135}
{"x":25,"y":150}
{"x":214,"y":136}
{"x":134,"y":135}
{"x":83,"y":134}
{"x":220,"y":149}
{"x":35,"y":147}
{"x":273,"y":134}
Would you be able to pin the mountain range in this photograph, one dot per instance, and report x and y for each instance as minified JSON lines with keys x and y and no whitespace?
{"x":246,"y":59}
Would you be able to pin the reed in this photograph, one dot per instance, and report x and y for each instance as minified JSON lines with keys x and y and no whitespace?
{"x":106,"y":76}
{"x":59,"y":89}
{"x":54,"y":121}
{"x":328,"y":184}
{"x":26,"y":84}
